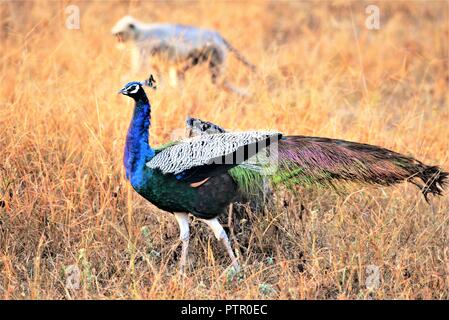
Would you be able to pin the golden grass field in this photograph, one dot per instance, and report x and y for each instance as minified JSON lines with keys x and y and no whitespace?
{"x":65,"y":201}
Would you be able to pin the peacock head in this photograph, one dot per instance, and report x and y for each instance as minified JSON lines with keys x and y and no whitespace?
{"x":135,"y":90}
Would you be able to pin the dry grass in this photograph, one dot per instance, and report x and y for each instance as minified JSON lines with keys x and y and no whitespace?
{"x":65,"y":200}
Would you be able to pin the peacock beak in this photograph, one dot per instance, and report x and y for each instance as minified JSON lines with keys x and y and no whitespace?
{"x":122,"y":91}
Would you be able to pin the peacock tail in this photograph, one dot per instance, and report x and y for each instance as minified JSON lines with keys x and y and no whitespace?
{"x":250,"y":182}
{"x":322,"y":160}
{"x":317,"y":161}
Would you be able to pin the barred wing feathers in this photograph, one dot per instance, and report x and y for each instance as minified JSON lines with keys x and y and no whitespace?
{"x":211,"y":149}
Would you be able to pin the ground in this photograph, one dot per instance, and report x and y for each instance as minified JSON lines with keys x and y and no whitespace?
{"x":71,"y":227}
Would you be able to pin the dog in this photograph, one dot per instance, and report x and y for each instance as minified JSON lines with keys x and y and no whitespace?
{"x":180,"y":46}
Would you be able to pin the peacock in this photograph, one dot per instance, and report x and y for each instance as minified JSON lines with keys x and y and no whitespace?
{"x":203,"y":174}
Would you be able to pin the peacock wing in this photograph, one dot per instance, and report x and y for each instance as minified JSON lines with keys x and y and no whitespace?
{"x":207,"y":155}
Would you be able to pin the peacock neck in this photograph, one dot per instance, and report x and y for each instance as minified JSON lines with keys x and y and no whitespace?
{"x":137,"y":149}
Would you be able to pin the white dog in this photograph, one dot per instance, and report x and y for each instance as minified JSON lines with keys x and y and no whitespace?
{"x":180,"y":46}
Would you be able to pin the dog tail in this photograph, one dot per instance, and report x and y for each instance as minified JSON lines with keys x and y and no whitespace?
{"x":239,"y":56}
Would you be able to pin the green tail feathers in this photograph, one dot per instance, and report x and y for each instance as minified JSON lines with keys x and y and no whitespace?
{"x":309,"y":161}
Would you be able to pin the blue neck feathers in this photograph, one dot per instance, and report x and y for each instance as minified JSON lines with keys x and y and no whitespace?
{"x":137,"y":149}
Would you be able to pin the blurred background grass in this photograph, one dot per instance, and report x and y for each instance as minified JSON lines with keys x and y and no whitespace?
{"x":64,"y":200}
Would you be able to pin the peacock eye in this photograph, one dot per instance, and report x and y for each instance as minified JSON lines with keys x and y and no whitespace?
{"x":133,"y":89}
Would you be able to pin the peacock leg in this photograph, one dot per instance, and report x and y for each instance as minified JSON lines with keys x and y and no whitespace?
{"x":184,"y":234}
{"x":221,"y":235}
